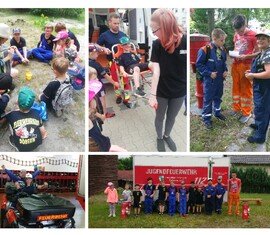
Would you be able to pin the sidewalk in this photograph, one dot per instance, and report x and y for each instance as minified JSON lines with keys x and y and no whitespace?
{"x":134,"y":130}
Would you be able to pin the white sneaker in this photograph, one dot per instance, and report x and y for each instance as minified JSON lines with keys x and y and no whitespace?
{"x":110,"y":215}
{"x":114,"y":215}
{"x":244,"y":119}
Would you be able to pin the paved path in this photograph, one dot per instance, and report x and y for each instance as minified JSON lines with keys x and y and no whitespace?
{"x":133,"y":129}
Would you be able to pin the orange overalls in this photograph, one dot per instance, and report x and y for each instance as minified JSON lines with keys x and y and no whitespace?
{"x":234,"y":195}
{"x":242,"y":88}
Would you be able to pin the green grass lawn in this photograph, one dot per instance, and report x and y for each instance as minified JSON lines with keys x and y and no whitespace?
{"x":223,"y":133}
{"x":259,"y":217}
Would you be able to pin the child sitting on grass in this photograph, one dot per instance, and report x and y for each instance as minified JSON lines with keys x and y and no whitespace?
{"x":112,"y":198}
{"x":44,"y":50}
{"x":27,"y":130}
{"x":60,"y":26}
{"x":5,"y":85}
{"x":63,"y":42}
{"x":101,"y":73}
{"x":130,"y":64}
{"x":6,"y":53}
{"x":21,"y":54}
{"x":59,"y":87}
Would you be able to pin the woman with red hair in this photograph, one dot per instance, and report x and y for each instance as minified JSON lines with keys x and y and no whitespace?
{"x":169,"y":65}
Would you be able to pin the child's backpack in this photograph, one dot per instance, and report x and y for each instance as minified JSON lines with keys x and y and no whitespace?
{"x":207,"y":50}
{"x":63,"y":97}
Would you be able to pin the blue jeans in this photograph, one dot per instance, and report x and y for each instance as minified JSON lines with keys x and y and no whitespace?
{"x":42,"y":54}
{"x":17,"y":58}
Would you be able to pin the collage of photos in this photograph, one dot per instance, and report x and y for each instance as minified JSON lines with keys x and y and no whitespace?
{"x":134,"y":117}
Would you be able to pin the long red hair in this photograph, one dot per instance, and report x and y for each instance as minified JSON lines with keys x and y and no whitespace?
{"x":170,"y":31}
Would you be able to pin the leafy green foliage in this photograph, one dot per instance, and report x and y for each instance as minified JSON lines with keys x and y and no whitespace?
{"x":125,"y":163}
{"x":202,"y":20}
{"x":254,"y":179}
{"x":58,"y":12}
{"x":41,"y":21}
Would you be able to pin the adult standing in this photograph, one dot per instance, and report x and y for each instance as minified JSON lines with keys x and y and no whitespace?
{"x":234,"y":193}
{"x":108,"y":39}
{"x":260,"y":74}
{"x":169,"y":65}
{"x":244,"y":43}
{"x":219,"y":194}
{"x":6,"y":53}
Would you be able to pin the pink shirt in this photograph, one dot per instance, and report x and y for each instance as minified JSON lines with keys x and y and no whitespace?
{"x":245,"y":44}
{"x":112,"y":195}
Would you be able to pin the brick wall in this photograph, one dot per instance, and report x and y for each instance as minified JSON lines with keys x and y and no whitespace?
{"x":102,"y":169}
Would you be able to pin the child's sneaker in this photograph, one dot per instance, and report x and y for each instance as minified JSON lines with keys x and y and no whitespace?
{"x":139,"y":92}
{"x":109,"y":115}
{"x":221,"y":117}
{"x":114,"y":215}
{"x":244,"y":119}
{"x":118,"y":100}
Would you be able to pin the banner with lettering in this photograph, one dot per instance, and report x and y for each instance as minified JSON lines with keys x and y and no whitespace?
{"x":177,"y":174}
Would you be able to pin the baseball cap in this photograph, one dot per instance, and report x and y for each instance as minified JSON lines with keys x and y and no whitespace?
{"x":4,"y":31}
{"x":110,"y":184}
{"x":61,"y":35}
{"x":124,"y":40}
{"x":94,"y":88}
{"x":16,"y":30}
{"x":92,"y":47}
{"x":26,"y":98}
{"x":28,"y":176}
{"x":209,"y":179}
{"x":6,"y":82}
{"x":263,"y":33}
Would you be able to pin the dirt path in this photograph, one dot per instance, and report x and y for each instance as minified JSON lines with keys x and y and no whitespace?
{"x":65,"y":133}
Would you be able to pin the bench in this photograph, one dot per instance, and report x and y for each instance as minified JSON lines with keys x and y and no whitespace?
{"x":257,"y":200}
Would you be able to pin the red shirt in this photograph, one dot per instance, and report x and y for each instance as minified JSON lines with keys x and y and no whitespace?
{"x":234,"y":185}
{"x":245,"y":44}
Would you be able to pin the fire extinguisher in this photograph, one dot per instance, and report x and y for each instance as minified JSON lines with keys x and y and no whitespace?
{"x":245,"y":211}
{"x":125,"y":209}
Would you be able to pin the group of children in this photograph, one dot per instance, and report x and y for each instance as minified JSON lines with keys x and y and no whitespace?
{"x":27,"y":130}
{"x":185,"y":200}
{"x":250,"y":74}
{"x":129,"y":65}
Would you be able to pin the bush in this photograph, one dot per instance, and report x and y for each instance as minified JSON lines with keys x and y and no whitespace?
{"x":254,"y":179}
{"x":56,"y":12}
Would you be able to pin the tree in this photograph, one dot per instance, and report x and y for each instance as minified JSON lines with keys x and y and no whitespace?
{"x":125,"y":163}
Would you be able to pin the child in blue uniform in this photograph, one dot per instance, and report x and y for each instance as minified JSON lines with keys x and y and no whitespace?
{"x":219,"y":194}
{"x":209,"y":194}
{"x":183,"y":200}
{"x":211,"y":64}
{"x":149,"y":192}
{"x":172,"y":194}
{"x":44,"y":50}
{"x":260,"y":75}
